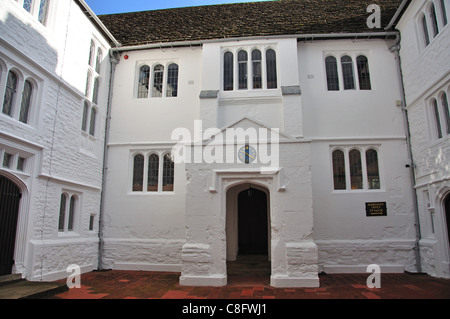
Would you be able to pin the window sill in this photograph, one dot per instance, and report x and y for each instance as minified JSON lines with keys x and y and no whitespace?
{"x":438,"y":142}
{"x":358,"y":191}
{"x":151,"y":193}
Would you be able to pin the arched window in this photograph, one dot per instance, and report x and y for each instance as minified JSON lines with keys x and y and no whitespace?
{"x":158,"y":80}
{"x":26,"y":101}
{"x":27,"y":5}
{"x":433,"y":18}
{"x":168,"y":173}
{"x":271,"y":67}
{"x":144,"y":80}
{"x":332,"y":73}
{"x":138,"y":173}
{"x":425,"y":30}
{"x":62,"y":212}
{"x":98,"y":62}
{"x":444,"y":12}
{"x":347,"y":71}
{"x":444,"y":100}
{"x":93,"y":121}
{"x":10,"y":93}
{"x":85,"y":116}
{"x":95,"y":90}
{"x":88,"y":83}
{"x":91,"y":53}
{"x":355,"y":170}
{"x":363,"y":73}
{"x":72,"y":207}
{"x":339,"y":170}
{"x":373,"y":174}
{"x":153,"y":173}
{"x":256,"y":69}
{"x":243,"y":69}
{"x":437,"y":117}
{"x":43,"y":11}
{"x":228,"y":65}
{"x":172,"y":80}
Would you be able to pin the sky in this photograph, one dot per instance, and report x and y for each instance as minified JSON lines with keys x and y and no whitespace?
{"x":119,"y":6}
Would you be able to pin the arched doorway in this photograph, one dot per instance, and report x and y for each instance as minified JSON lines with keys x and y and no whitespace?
{"x":248,"y":231}
{"x":10,"y":196}
{"x":252,"y":222}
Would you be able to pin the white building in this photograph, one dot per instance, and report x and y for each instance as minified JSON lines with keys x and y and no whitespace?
{"x":330,"y":189}
{"x":426,"y":73}
{"x":49,"y":156}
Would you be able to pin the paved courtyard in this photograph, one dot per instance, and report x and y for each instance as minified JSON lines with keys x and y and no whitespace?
{"x":159,"y":285}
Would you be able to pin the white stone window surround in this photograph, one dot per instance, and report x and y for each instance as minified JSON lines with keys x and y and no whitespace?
{"x":90,"y":120}
{"x":362,"y":148}
{"x":432,"y":123}
{"x":40,"y":14}
{"x":77,"y":212}
{"x":22,"y":75}
{"x":441,"y":25}
{"x":249,"y":49}
{"x":353,"y":54}
{"x":147,"y":153}
{"x":152,"y":64}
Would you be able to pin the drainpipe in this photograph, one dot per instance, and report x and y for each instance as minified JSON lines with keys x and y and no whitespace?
{"x":114,"y":60}
{"x":395,"y":49}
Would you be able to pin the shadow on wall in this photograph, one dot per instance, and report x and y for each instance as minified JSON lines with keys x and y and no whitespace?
{"x":27,"y":42}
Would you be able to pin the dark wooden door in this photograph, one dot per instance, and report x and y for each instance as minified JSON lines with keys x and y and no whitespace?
{"x":9,"y":211}
{"x":252,"y":222}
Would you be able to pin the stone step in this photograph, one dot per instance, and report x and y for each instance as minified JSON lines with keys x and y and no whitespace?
{"x":250,"y":265}
{"x":14,"y":287}
{"x":9,"y":279}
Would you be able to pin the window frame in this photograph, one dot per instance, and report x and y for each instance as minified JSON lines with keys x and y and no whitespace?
{"x":365,"y":178}
{"x":169,"y":77}
{"x":36,"y":9}
{"x":439,"y":114}
{"x":431,"y":21}
{"x":69,"y":212}
{"x":90,"y":107}
{"x":332,"y":79}
{"x":351,"y":67}
{"x":233,"y":67}
{"x":23,"y":77}
{"x":161,"y":178}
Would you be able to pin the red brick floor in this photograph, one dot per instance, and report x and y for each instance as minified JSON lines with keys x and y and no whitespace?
{"x":151,"y":285}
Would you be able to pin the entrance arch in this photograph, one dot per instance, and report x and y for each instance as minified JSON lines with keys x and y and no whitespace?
{"x":10,"y":195}
{"x":252,"y":222}
{"x":248,"y":228}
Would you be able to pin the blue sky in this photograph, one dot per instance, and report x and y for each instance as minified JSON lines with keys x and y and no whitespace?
{"x":120,"y":6}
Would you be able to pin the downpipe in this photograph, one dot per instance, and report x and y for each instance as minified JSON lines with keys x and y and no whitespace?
{"x":395,"y":49}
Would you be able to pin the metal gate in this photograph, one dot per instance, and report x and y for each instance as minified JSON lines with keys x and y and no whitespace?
{"x":9,"y":211}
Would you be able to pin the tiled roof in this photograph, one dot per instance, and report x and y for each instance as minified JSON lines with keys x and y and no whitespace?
{"x":282,"y":17}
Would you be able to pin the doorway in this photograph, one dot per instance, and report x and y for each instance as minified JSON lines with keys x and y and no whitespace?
{"x":252,"y":222}
{"x":248,"y":232}
{"x":10,"y":196}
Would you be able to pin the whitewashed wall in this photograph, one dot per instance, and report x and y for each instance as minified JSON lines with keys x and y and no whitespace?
{"x":56,"y":55}
{"x":349,"y":241}
{"x":426,"y":75}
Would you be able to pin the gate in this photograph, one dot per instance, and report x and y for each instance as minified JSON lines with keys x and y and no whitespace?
{"x":9,"y":211}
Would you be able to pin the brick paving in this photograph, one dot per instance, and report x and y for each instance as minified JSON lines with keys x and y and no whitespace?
{"x":159,"y":285}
